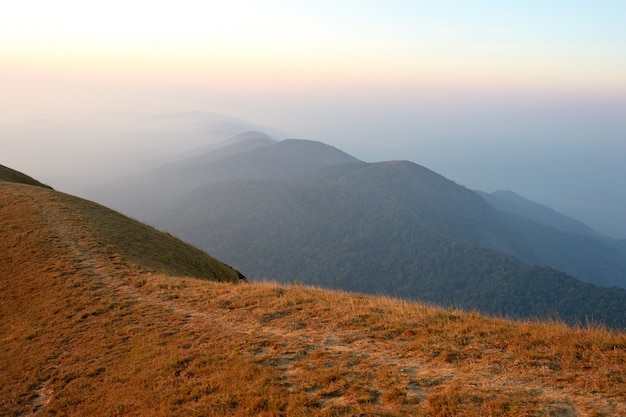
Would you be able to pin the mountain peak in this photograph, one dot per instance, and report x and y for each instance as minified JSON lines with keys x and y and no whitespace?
{"x":238,"y":143}
{"x":250,"y":135}
{"x":312,"y":149}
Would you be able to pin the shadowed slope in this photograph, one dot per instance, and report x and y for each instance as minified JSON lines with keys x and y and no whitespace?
{"x":508,"y":201}
{"x":10,"y":175}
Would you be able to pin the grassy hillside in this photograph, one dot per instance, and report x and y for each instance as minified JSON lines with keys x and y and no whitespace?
{"x":10,"y":175}
{"x":96,"y":235}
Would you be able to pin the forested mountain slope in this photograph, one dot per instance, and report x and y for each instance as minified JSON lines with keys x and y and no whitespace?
{"x":510,"y":202}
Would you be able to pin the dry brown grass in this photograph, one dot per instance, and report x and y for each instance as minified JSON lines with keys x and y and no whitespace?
{"x":85,"y":332}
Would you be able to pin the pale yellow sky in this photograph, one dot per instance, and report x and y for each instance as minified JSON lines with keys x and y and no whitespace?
{"x":77,"y":51}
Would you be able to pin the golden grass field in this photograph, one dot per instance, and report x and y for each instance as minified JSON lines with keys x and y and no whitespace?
{"x":100,"y":317}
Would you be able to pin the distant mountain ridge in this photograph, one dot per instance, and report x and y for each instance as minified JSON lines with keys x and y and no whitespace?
{"x":248,"y":136}
{"x":244,"y":157}
{"x":441,"y":205}
{"x":242,"y":142}
{"x":564,"y":243}
{"x":510,"y":202}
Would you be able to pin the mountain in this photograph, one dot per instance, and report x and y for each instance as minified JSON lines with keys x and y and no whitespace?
{"x":144,"y":195}
{"x":510,"y":202}
{"x":242,"y":142}
{"x":285,"y":159}
{"x":457,"y":213}
{"x":594,"y":260}
{"x":91,"y":327}
{"x":560,"y":241}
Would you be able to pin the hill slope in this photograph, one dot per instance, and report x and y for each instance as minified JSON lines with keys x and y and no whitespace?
{"x":564,"y":243}
{"x":10,"y":175}
{"x":86,"y":332}
{"x":90,"y":229}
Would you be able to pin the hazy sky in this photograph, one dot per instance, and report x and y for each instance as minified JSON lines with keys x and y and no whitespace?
{"x":436,"y":82}
{"x":63,"y":56}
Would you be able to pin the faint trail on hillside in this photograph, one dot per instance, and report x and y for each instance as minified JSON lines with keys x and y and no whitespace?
{"x":97,"y":272}
{"x":61,"y":223}
{"x":290,"y":349}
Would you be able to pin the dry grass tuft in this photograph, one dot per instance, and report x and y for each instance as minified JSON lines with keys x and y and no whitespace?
{"x":85,"y":331}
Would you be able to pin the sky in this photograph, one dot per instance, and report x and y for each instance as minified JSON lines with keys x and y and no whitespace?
{"x":481,"y":91}
{"x":68,"y":55}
